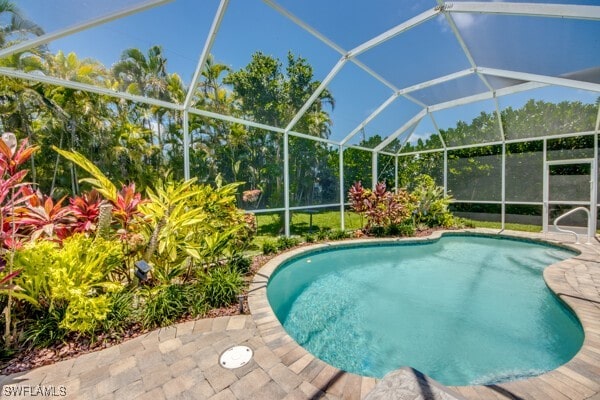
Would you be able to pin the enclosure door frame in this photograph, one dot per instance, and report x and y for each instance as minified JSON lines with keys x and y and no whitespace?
{"x":591,"y":204}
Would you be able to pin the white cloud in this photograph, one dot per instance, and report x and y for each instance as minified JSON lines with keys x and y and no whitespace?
{"x":464,"y":21}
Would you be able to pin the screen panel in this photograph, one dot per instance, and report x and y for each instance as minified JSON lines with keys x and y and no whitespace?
{"x":314,"y":173}
{"x":548,"y":111}
{"x":469,"y":124}
{"x":475,"y":173}
{"x":525,"y":171}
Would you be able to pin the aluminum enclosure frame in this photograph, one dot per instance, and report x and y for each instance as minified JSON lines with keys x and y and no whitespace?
{"x":445,"y":9}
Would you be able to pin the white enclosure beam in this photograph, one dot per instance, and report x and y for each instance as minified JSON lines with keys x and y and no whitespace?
{"x":520,"y":140}
{"x":396,"y":173}
{"x":503,"y":186}
{"x":337,"y":67}
{"x":49,"y":37}
{"x":305,"y":26}
{"x":437,"y":128}
{"x":342,"y":188}
{"x":487,"y":95}
{"x":445,"y":172}
{"x":212,"y":34}
{"x":417,"y":102}
{"x":598,"y":120}
{"x":462,"y":101}
{"x":286,"y":182}
{"x":499,"y":116}
{"x":407,"y":138}
{"x":229,"y":118}
{"x":463,"y":45}
{"x":313,"y":138}
{"x":412,"y":130}
{"x":413,"y":121}
{"x":437,"y":81}
{"x":524,"y":76}
{"x":360,"y":148}
{"x":522,"y":87}
{"x":328,"y":42}
{"x":374,"y":74}
{"x":374,"y":114}
{"x":456,"y":33}
{"x":87,"y":88}
{"x":374,"y":172}
{"x":525,"y":9}
{"x":395,"y":31}
{"x":186,"y":146}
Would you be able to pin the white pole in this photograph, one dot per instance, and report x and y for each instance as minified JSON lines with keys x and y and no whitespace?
{"x":445,"y":171}
{"x":545,"y":207}
{"x":342,"y":190}
{"x":374,"y":170}
{"x":186,"y":146}
{"x":286,"y":182}
{"x":503,"y":184}
{"x":396,"y":173}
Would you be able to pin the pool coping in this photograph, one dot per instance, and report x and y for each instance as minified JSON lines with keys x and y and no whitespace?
{"x":569,"y":279}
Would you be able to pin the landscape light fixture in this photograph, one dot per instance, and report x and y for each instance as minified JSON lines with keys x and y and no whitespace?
{"x":241,"y":298}
{"x":141,"y":270}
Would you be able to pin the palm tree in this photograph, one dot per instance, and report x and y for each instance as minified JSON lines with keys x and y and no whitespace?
{"x":87,"y":112}
{"x":18,"y":27}
{"x":145,"y":75}
{"x":211,"y":94}
{"x":22,"y":102}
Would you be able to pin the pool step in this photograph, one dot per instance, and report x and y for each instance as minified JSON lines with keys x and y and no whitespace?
{"x":409,"y":384}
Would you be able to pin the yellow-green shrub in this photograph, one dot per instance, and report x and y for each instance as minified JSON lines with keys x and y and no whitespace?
{"x":73,"y":277}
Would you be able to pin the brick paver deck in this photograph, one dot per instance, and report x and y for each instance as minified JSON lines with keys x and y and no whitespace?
{"x":181,"y":362}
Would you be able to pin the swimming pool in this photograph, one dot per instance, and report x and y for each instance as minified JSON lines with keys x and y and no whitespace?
{"x":463,"y":309}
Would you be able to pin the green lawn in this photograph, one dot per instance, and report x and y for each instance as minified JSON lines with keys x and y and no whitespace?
{"x":498,"y":225}
{"x":271,"y":225}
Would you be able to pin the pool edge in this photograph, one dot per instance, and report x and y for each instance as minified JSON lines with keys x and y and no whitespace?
{"x":559,"y":277}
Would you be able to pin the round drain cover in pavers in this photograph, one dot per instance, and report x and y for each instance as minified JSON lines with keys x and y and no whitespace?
{"x":235,"y":357}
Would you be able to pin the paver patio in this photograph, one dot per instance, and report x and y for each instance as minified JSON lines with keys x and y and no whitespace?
{"x":181,"y":362}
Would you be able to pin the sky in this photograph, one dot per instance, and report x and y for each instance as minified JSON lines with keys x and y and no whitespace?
{"x":428,"y":51}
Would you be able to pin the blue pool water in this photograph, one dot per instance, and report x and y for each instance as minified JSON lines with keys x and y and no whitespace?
{"x":465,"y":310}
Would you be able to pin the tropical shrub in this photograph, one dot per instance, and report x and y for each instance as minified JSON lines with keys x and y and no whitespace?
{"x":186,"y":224}
{"x":431,"y":205}
{"x":381,"y":208}
{"x":240,"y":264}
{"x":68,"y":269}
{"x":269,"y":247}
{"x":322,"y":234}
{"x":121,"y":313}
{"x":285,"y":242}
{"x":45,"y":329}
{"x":41,"y":217}
{"x":164,"y":304}
{"x":74,"y":277}
{"x":85,"y":209}
{"x":308,"y":238}
{"x":406,"y":228}
{"x":399,"y":213}
{"x":221,"y":286}
{"x":338,"y":234}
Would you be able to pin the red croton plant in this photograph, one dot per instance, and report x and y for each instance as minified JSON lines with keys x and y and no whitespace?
{"x":381,"y":207}
{"x":27,"y":214}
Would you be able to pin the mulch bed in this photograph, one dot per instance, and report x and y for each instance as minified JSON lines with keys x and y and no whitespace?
{"x":33,"y":358}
